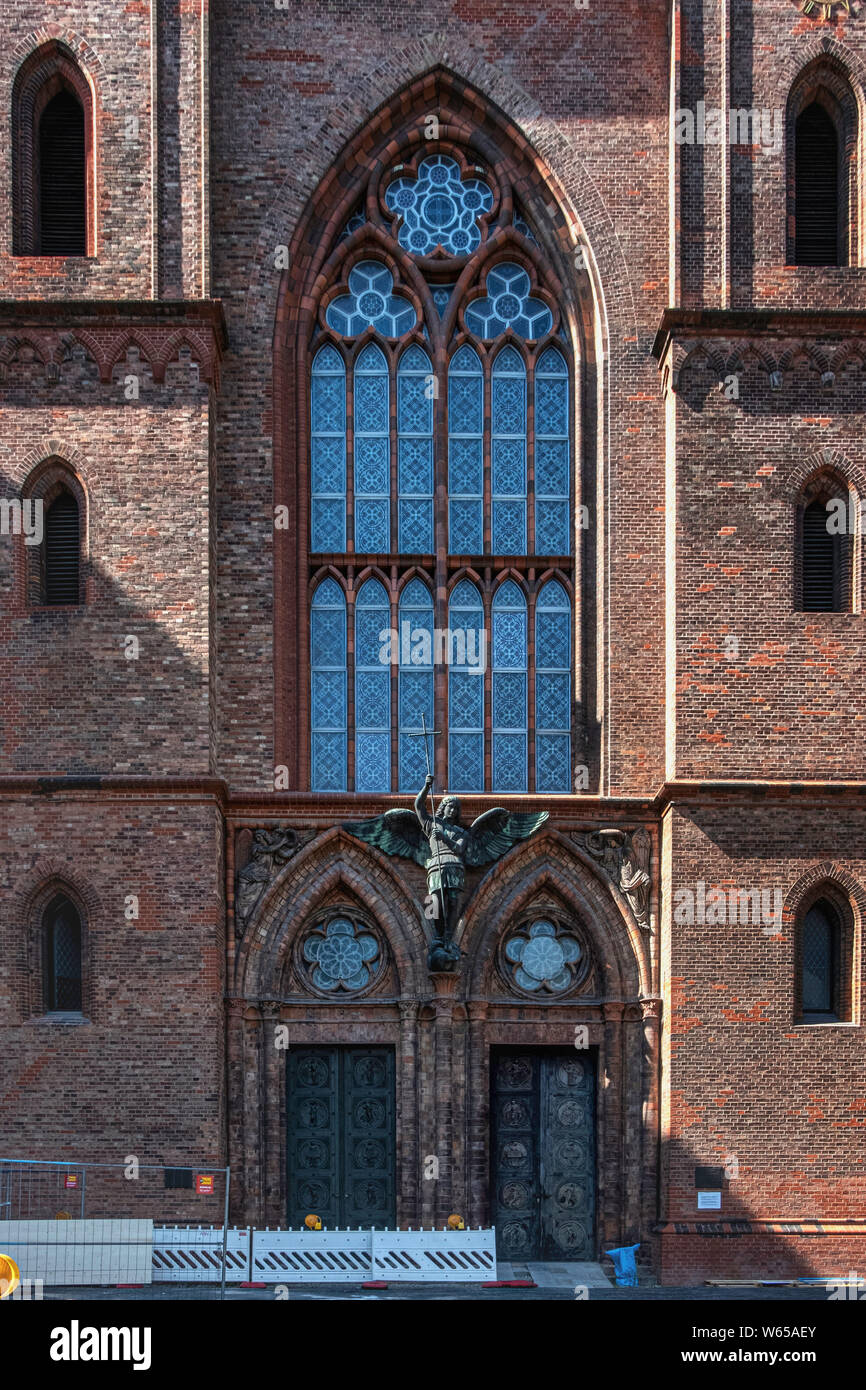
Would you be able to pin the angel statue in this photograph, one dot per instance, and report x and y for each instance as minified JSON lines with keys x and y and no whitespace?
{"x":446,"y":849}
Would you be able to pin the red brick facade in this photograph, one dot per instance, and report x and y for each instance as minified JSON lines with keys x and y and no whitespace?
{"x":164,"y":377}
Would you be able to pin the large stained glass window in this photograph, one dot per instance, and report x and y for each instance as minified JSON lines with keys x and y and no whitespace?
{"x":441,"y":441}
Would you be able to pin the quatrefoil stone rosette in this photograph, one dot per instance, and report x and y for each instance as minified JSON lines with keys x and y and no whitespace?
{"x":543,"y":958}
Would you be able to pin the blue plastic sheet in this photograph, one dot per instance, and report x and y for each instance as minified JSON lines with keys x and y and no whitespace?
{"x":624,"y":1265}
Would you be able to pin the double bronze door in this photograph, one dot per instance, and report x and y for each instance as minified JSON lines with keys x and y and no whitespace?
{"x":341,"y":1140}
{"x":543,"y":1154}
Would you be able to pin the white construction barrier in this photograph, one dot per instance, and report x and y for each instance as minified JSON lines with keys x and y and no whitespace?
{"x":194,"y":1254}
{"x":110,"y":1251}
{"x":312,"y":1257}
{"x":319,"y":1257}
{"x":127,"y":1251}
{"x":438,"y":1257}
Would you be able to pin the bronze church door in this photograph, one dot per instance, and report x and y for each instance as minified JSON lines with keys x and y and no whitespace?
{"x":341,"y":1139}
{"x":543,"y":1154}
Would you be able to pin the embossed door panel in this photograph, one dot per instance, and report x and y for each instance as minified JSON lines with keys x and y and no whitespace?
{"x":543,"y":1154}
{"x":516,"y":1189}
{"x":368,"y":1137}
{"x":341,"y":1141}
{"x":567,"y":1109}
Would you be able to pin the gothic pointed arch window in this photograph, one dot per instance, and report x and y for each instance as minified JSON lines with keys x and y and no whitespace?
{"x":329,"y":702}
{"x":416,"y":681}
{"x":510,"y":713}
{"x":466,"y":689}
{"x":822,"y":143}
{"x":439,"y":421}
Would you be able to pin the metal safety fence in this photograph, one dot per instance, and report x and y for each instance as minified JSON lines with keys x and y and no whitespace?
{"x":113,"y":1230}
{"x":65,"y":1222}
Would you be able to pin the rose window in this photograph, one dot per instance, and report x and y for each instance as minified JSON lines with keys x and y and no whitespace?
{"x":543,"y":958}
{"x":438,"y":208}
{"x":343,"y":955}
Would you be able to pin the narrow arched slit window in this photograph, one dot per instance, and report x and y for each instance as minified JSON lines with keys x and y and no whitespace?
{"x":62,"y":551}
{"x":817,"y":205}
{"x":819,"y":963}
{"x":53,"y":155}
{"x":62,"y":957}
{"x":822,"y":561}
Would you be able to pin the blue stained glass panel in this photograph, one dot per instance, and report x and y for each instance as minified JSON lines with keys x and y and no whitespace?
{"x":372,"y":452}
{"x":441,"y":298}
{"x":465,"y":453}
{"x":372,"y":689}
{"x":508,"y":452}
{"x":508,"y":303}
{"x":415,"y":451}
{"x":522,"y":226}
{"x":328,"y":451}
{"x":509,"y":681}
{"x":553,"y":689}
{"x":552,"y":455}
{"x":328,"y":707}
{"x":415,"y":681}
{"x":468,"y":660}
{"x":371,"y":302}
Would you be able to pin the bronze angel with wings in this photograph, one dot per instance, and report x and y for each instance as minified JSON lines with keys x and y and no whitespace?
{"x":445,"y":848}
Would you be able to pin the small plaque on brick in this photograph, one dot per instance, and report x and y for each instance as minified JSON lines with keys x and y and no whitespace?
{"x":709,"y":1178}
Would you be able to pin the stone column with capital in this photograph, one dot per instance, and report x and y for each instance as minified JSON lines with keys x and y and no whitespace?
{"x":235,"y":1011}
{"x":478,"y":1114}
{"x":651,"y":1009}
{"x":273,"y":1090}
{"x":411,"y":1161}
{"x":251,"y":1073}
{"x":445,"y":987}
{"x":612,"y":1154}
